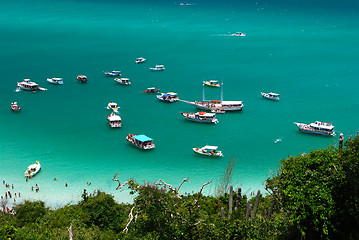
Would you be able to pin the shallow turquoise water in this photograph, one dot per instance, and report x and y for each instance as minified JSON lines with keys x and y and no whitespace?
{"x":308,"y":54}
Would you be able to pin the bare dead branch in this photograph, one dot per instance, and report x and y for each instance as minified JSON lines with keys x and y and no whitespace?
{"x":184,"y":180}
{"x":130,"y":215}
{"x":160,"y":182}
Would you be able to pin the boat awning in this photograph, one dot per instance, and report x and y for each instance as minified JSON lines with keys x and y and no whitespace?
{"x":151,"y":88}
{"x":205,"y":114}
{"x":114,"y":118}
{"x":142,"y":138}
{"x":231,"y":102}
{"x":273,"y":94}
{"x":210,"y":147}
{"x":172,"y":94}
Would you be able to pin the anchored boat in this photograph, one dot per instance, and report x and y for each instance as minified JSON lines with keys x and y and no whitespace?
{"x":169,"y":97}
{"x":33,"y":169}
{"x":82,"y":78}
{"x":29,"y":86}
{"x":15,"y":107}
{"x":319,"y":128}
{"x":114,"y":120}
{"x":158,"y":68}
{"x":123,"y":81}
{"x":56,"y":81}
{"x":215,"y":104}
{"x":140,"y":60}
{"x":212,"y":83}
{"x":112,"y":73}
{"x":208,"y":151}
{"x":201,"y":117}
{"x":141,"y":141}
{"x":271,"y":96}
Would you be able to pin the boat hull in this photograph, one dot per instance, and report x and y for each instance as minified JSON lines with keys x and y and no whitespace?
{"x":199,"y":151}
{"x":193,"y":118}
{"x":216,"y":106}
{"x":308,"y":129}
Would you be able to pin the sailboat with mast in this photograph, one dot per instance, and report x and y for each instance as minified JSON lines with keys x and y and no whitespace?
{"x":217,"y":105}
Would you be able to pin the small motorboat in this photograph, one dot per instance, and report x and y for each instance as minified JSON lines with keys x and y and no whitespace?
{"x":82,"y":78}
{"x":158,"y":68}
{"x":112,"y":73}
{"x":56,"y":81}
{"x":141,"y":141}
{"x":208,"y":151}
{"x":169,"y":97}
{"x":114,"y":120}
{"x":184,"y":4}
{"x":239,"y":34}
{"x":32,"y":169}
{"x":212,"y":83}
{"x":151,"y":90}
{"x":113,"y":106}
{"x":201,"y":117}
{"x":271,"y":96}
{"x":29,"y":86}
{"x":15,"y":107}
{"x":123,"y":81}
{"x":140,"y":60}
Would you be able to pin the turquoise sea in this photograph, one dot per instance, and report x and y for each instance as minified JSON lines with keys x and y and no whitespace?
{"x":306,"y":51}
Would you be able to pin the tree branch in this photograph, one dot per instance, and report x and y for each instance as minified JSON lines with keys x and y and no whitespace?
{"x":130,"y":215}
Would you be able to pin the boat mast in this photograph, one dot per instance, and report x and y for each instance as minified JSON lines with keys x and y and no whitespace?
{"x":222,"y":92}
{"x":203,"y":93}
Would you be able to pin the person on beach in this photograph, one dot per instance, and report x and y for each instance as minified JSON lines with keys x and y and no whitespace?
{"x":32,"y":188}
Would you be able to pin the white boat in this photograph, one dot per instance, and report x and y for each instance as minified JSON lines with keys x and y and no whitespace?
{"x":56,"y":81}
{"x":82,"y":78}
{"x":271,"y":96}
{"x":113,"y":106}
{"x":212,"y":83}
{"x":112,"y":73}
{"x":141,"y":141}
{"x":169,"y":97}
{"x":239,"y":34}
{"x":140,"y":60}
{"x":151,"y":90}
{"x":216,"y":104}
{"x":123,"y":81}
{"x":184,"y":4}
{"x":158,"y":68}
{"x":201,"y":117}
{"x":29,"y":86}
{"x":114,"y":120}
{"x":208,"y":151}
{"x":32,"y":169}
{"x":15,"y":107}
{"x":319,"y":128}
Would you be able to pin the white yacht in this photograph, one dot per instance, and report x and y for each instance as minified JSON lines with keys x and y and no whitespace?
{"x":201,"y":117}
{"x":319,"y":128}
{"x":208,"y":151}
{"x":158,"y":68}
{"x":29,"y":86}
{"x":114,"y":120}
{"x":33,"y":169}
{"x":123,"y":81}
{"x":271,"y":96}
{"x":56,"y":81}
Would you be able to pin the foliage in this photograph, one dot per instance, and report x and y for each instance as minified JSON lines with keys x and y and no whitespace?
{"x":313,"y":190}
{"x":315,"y":197}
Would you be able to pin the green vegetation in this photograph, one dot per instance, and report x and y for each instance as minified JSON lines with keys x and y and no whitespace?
{"x":311,"y":197}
